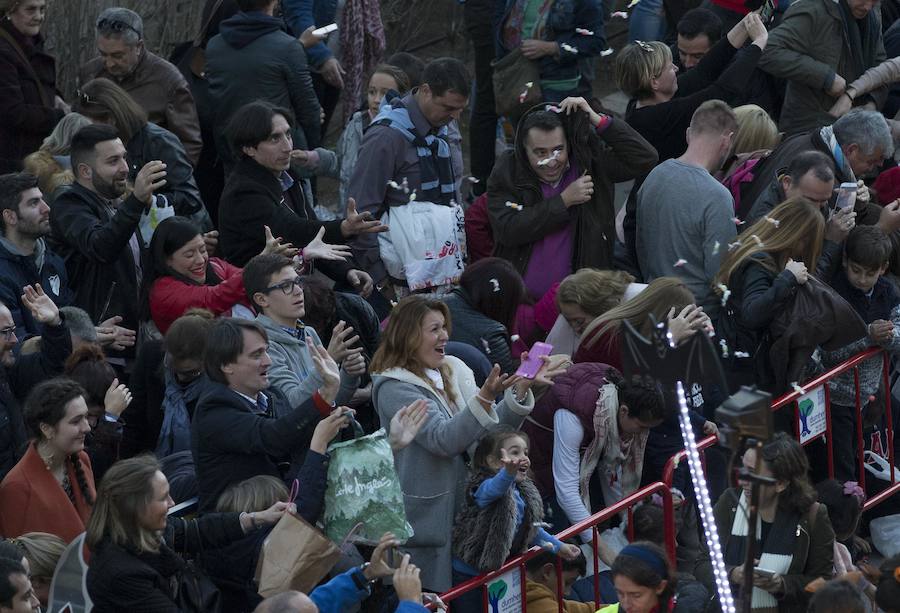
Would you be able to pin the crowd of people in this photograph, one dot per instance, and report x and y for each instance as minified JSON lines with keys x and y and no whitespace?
{"x":190,"y":320}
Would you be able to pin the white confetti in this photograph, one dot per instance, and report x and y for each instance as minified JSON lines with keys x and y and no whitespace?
{"x":569,"y":48}
{"x":393,"y":184}
{"x":495,"y":284}
{"x":487,"y":347}
{"x":529,"y":85}
{"x":797,"y":388}
{"x":738,"y":221}
{"x":405,"y":186}
{"x":620,"y":14}
{"x":715,"y":250}
{"x":393,"y":303}
{"x":547,"y":160}
{"x":412,"y":196}
{"x":681,"y":262}
{"x":724,"y":346}
{"x":473,"y":180}
{"x":607,"y":52}
{"x":757,"y":239}
{"x":552,"y":109}
{"x":726,"y":293}
{"x":633,"y":3}
{"x":514,"y":338}
{"x":772,"y":221}
{"x":584,"y":32}
{"x":513,"y":205}
{"x":741,"y":354}
{"x":541,"y":524}
{"x":734,"y":245}
{"x":523,"y":96}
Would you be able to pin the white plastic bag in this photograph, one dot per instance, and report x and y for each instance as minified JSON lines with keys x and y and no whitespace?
{"x":886,"y":534}
{"x":426,"y":244}
{"x":878,"y":466}
{"x":159,"y":210}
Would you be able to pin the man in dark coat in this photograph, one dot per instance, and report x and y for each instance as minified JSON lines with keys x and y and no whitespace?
{"x":253,"y":58}
{"x":19,"y":375}
{"x":25,"y":258}
{"x":260,"y":191}
{"x":97,"y":229}
{"x":241,"y":427}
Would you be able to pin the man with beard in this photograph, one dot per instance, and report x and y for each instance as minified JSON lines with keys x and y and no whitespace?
{"x":25,"y":258}
{"x":97,"y":227}
{"x":685,"y":218}
{"x":19,"y":375}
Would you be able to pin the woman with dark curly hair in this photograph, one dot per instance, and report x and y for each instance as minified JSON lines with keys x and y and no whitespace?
{"x":795,"y":540}
{"x":51,"y":489}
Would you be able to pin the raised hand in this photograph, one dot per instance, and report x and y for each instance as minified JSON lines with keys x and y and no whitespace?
{"x":110,"y":333}
{"x":274,"y":245}
{"x":359,"y":223}
{"x":406,"y":423}
{"x":798,"y":269}
{"x":407,"y":582}
{"x":317,"y":249}
{"x":327,"y":368}
{"x":117,"y":398}
{"x":378,"y":566}
{"x":570,"y":105}
{"x":42,"y":308}
{"x":342,"y":342}
{"x":510,"y":465}
{"x":150,"y":178}
{"x":329,"y":427}
{"x":496,"y":383}
{"x":685,"y":324}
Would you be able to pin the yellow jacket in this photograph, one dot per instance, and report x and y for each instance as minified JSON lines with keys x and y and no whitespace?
{"x":540,"y":599}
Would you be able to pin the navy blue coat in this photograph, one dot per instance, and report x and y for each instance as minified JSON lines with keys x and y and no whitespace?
{"x":17,"y":271}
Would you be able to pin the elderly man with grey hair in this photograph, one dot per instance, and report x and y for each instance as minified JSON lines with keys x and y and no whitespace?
{"x":155,"y":84}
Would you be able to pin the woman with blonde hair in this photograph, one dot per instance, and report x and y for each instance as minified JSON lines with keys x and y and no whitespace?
{"x":135,"y":545}
{"x":759,"y":275}
{"x":756,"y":130}
{"x":43,"y":551}
{"x":664,"y":299}
{"x":410,"y":365}
{"x":51,"y":163}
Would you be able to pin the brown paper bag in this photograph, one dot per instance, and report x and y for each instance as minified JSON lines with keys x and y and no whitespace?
{"x":295,"y":556}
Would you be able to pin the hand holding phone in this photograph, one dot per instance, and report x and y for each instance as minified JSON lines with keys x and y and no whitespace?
{"x":764,"y":572}
{"x":532,"y":364}
{"x":846,"y":196}
{"x":325,"y":30}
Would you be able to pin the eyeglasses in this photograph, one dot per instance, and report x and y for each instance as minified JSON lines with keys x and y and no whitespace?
{"x":287,"y":287}
{"x":8,"y":333}
{"x":645,"y":46}
{"x":114,"y":25}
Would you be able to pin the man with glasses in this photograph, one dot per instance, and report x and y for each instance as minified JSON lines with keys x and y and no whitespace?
{"x":155,"y":84}
{"x":275,"y":290}
{"x":18,"y":375}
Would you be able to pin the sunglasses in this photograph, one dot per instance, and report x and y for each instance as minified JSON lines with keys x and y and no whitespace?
{"x":114,"y":25}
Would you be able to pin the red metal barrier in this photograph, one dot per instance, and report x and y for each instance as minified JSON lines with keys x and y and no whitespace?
{"x":664,"y":487}
{"x":590,"y":523}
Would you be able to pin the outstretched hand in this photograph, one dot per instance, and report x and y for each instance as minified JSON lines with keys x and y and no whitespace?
{"x":317,"y":249}
{"x":274,"y":245}
{"x":359,"y":223}
{"x":406,"y":423}
{"x":42,"y":308}
{"x":327,"y":368}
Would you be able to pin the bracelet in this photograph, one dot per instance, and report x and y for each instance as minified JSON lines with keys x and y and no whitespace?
{"x":483,"y":399}
{"x":522,"y":399}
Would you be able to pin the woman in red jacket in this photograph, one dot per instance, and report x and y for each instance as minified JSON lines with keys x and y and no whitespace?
{"x":182,"y":276}
{"x":51,"y":489}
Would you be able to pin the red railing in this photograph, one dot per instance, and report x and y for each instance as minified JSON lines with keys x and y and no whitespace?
{"x":664,"y":487}
{"x":591,"y":523}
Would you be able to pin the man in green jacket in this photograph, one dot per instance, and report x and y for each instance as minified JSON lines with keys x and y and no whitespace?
{"x":820,"y":47}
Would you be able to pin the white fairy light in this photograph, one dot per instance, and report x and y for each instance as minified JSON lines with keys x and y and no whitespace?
{"x":705,"y":504}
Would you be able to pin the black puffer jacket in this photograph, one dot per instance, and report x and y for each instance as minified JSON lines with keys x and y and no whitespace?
{"x":253,"y":58}
{"x":474,"y":328}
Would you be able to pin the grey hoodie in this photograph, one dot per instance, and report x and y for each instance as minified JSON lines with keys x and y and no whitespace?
{"x":292,"y":371}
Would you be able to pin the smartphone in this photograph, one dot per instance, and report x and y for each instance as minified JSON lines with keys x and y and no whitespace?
{"x":846,"y":195}
{"x":767,"y":11}
{"x":325,"y":30}
{"x":530,"y":367}
{"x":394,"y":557}
{"x":764,"y":572}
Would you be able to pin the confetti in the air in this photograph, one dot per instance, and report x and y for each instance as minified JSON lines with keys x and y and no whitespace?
{"x":734,"y":245}
{"x":757,"y":239}
{"x":495,"y":284}
{"x":529,"y":85}
{"x":487,"y":347}
{"x":726,"y":293}
{"x":633,"y":3}
{"x":681,"y":262}
{"x":569,"y":48}
{"x":514,"y":338}
{"x":541,"y":524}
{"x":620,"y":14}
{"x":584,"y":32}
{"x":412,"y":196}
{"x":553,"y":109}
{"x":741,"y":354}
{"x":474,"y":180}
{"x":405,"y":186}
{"x":738,"y":221}
{"x":514,"y":206}
{"x":522,"y":96}
{"x":724,"y":346}
{"x":772,"y":221}
{"x":607,"y":52}
{"x":797,"y":388}
{"x":393,"y":184}
{"x":715,"y":250}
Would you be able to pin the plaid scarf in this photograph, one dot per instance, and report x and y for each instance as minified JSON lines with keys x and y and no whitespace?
{"x":362,"y":45}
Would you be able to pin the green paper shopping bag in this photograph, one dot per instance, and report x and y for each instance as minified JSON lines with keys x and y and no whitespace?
{"x":363,"y":487}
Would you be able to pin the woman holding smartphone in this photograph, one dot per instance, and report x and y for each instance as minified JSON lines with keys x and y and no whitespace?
{"x":410,"y":365}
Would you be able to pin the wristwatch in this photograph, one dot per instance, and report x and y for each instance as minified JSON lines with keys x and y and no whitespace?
{"x":359,"y":578}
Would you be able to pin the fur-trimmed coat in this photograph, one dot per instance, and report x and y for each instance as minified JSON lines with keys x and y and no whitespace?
{"x":484,"y":537}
